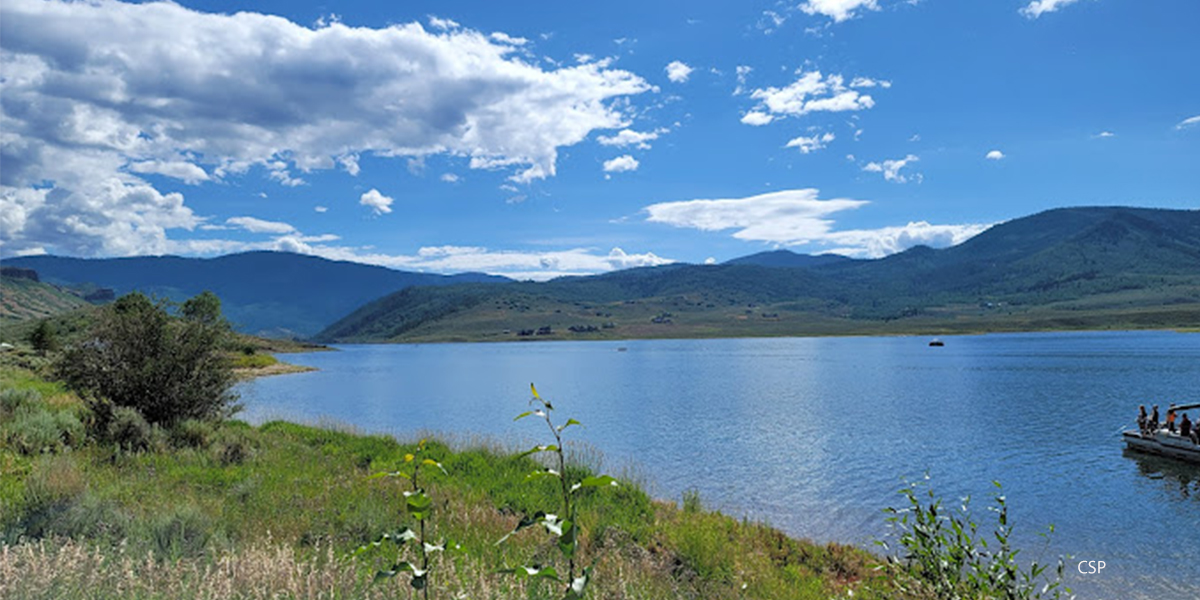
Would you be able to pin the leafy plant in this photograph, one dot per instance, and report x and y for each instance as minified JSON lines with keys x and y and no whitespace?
{"x":945,"y":556}
{"x":419,"y":505}
{"x":563,"y":524}
{"x":169,"y":368}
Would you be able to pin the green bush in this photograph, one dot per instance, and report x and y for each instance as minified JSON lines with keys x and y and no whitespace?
{"x":232,"y":447}
{"x":169,"y":368}
{"x":32,"y":429}
{"x":12,"y":398}
{"x":182,"y":532}
{"x":191,"y":433}
{"x":944,"y":556}
{"x":129,"y":430}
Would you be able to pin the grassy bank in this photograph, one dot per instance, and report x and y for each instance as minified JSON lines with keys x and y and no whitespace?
{"x":233,"y":511}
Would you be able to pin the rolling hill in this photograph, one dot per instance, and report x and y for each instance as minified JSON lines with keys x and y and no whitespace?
{"x":1092,"y":267}
{"x":24,"y":296}
{"x":267,"y":293}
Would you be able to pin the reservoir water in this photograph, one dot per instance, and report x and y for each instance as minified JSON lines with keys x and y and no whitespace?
{"x":814,"y":435}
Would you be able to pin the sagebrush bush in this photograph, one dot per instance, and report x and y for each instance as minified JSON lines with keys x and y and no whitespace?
{"x":11,"y":399}
{"x":191,"y":433}
{"x":32,"y":430}
{"x":128,"y":430}
{"x":183,"y":531}
{"x":232,"y":447}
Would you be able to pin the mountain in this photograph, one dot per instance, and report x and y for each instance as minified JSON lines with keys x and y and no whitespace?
{"x":271,"y":293}
{"x":1090,"y":267}
{"x":788,"y":259}
{"x":24,"y":296}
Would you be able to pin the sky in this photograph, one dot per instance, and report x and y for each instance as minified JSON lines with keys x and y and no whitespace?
{"x":547,"y":138}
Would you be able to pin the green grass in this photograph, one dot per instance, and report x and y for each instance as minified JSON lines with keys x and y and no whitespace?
{"x":304,"y":491}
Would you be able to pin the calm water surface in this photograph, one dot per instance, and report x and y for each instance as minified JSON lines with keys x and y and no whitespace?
{"x":814,"y":434}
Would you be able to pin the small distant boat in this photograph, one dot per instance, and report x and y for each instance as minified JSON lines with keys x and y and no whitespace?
{"x":1163,"y":442}
{"x":622,"y":349}
{"x":936,"y":342}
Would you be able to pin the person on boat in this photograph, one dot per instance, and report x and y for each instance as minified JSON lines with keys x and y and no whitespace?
{"x":1185,"y":427}
{"x":1143,"y":419}
{"x":1154,"y":419}
{"x":1171,"y":420}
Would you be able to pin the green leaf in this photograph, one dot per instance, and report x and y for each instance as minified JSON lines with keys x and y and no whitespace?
{"x":401,"y":567}
{"x":528,"y":521}
{"x":542,"y":473}
{"x":569,"y":423}
{"x":399,"y":538}
{"x":567,"y":538}
{"x":537,"y":449}
{"x":523,"y":415}
{"x":387,"y":474}
{"x":418,"y":504}
{"x":434,"y":463}
{"x":534,"y":390}
{"x":599,"y":481}
{"x":534,"y":572}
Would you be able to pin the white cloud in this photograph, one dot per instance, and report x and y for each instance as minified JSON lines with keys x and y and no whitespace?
{"x":875,"y":243}
{"x":1188,"y":122}
{"x":710,"y":261}
{"x":799,"y":217}
{"x":321,"y":209}
{"x":995,"y":155}
{"x":838,"y":10}
{"x":96,"y":93}
{"x":254,"y":225}
{"x":450,"y":178}
{"x":789,"y":216}
{"x":1037,"y":8}
{"x":891,"y":168}
{"x":1105,"y":134}
{"x":812,"y":92}
{"x":757,"y":118}
{"x":678,"y":72}
{"x":178,"y":169}
{"x":867,"y":82}
{"x":811,"y":144}
{"x":629,"y":137}
{"x":621,"y":164}
{"x":378,"y":203}
{"x":742,"y":71}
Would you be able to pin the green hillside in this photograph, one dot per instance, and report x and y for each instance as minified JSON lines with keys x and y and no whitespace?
{"x":1077,"y":268}
{"x":277,"y":294}
{"x":23,"y":296}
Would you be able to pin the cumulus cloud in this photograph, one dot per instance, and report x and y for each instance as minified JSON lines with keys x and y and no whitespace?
{"x":1037,"y":8}
{"x":811,"y":144}
{"x":321,"y":209}
{"x":789,"y":216}
{"x":629,"y":137}
{"x":518,"y":264}
{"x":254,"y":225}
{"x":678,"y":72}
{"x":867,"y":82}
{"x":1104,"y":134}
{"x":838,"y":10}
{"x":450,"y":178}
{"x":621,"y":164}
{"x":378,"y":203}
{"x":995,"y":155}
{"x":800,"y":217}
{"x":178,"y":169}
{"x":812,"y":92}
{"x":98,"y":93}
{"x":1188,"y":122}
{"x":891,"y":168}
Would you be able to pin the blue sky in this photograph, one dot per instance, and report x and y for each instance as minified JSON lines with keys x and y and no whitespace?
{"x":543,"y":138}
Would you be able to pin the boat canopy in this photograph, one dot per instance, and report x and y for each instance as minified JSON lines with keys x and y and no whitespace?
{"x":1181,"y":407}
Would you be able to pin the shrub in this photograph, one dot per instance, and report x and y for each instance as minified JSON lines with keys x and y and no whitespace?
{"x":33,"y":429}
{"x":232,"y":447}
{"x":12,"y":398}
{"x":191,"y":433}
{"x":181,"y":532}
{"x":128,"y":429}
{"x":137,"y":355}
{"x":945,"y":557}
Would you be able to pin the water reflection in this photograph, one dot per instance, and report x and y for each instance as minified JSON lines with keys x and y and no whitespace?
{"x":1178,"y":478}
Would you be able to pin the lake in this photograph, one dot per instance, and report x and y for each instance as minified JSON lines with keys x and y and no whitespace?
{"x":813,"y":435}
